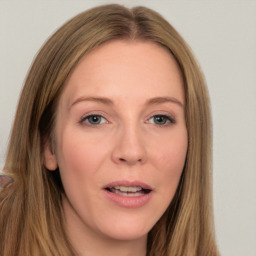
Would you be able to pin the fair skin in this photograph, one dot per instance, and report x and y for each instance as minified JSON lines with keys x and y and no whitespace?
{"x":120,"y":122}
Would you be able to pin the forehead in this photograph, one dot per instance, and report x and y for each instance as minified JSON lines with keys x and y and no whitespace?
{"x":124,"y":68}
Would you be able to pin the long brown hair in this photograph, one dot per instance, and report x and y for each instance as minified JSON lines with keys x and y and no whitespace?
{"x":30,"y":209}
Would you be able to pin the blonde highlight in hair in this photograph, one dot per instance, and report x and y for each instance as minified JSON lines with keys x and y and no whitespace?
{"x":30,"y":209}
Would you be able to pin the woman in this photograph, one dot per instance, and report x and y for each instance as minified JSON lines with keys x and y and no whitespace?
{"x":111,"y":146}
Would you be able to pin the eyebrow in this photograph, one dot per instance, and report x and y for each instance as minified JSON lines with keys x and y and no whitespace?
{"x":107,"y":101}
{"x":159,"y":100}
{"x":102,"y":100}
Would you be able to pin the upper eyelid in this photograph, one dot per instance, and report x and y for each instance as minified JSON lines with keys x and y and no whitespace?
{"x":162,"y":113}
{"x":94,"y":113}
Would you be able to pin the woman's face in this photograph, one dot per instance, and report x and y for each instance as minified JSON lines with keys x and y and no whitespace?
{"x":120,"y":140}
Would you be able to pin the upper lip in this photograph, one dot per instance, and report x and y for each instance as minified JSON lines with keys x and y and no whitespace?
{"x":127,"y":183}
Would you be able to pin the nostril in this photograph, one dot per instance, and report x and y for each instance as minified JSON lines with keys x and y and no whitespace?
{"x":124,"y":160}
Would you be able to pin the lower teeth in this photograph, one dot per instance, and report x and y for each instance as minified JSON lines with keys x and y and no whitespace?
{"x":128,"y":194}
{"x":123,"y":193}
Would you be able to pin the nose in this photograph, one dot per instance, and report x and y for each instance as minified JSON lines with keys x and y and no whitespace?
{"x":129,"y":148}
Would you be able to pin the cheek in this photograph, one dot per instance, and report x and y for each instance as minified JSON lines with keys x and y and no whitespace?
{"x":170,"y":152}
{"x":169,"y":160}
{"x":78,"y":156}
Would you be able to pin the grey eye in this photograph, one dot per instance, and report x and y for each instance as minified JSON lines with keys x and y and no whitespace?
{"x":94,"y":119}
{"x":161,"y":120}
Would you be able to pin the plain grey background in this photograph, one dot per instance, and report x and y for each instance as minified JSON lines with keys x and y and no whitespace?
{"x":222,"y":35}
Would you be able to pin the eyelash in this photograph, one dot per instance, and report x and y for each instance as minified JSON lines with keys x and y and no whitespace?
{"x":168,"y":120}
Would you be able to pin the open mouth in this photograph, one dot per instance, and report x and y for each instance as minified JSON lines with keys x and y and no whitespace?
{"x":129,"y":194}
{"x":131,"y":191}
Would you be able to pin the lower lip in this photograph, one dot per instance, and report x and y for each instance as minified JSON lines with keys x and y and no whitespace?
{"x":127,"y":201}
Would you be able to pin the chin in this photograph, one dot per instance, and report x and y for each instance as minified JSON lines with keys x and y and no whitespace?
{"x":127,"y":235}
{"x":126,"y":230}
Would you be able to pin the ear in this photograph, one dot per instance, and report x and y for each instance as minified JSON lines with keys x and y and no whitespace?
{"x":50,"y":160}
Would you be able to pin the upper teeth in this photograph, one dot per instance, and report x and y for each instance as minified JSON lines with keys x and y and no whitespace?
{"x":128,"y":189}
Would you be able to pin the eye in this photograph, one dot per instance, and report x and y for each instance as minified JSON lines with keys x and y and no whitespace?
{"x":93,"y":120}
{"x":161,"y":120}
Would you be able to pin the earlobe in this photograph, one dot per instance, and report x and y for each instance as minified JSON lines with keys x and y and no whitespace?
{"x":50,"y":161}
